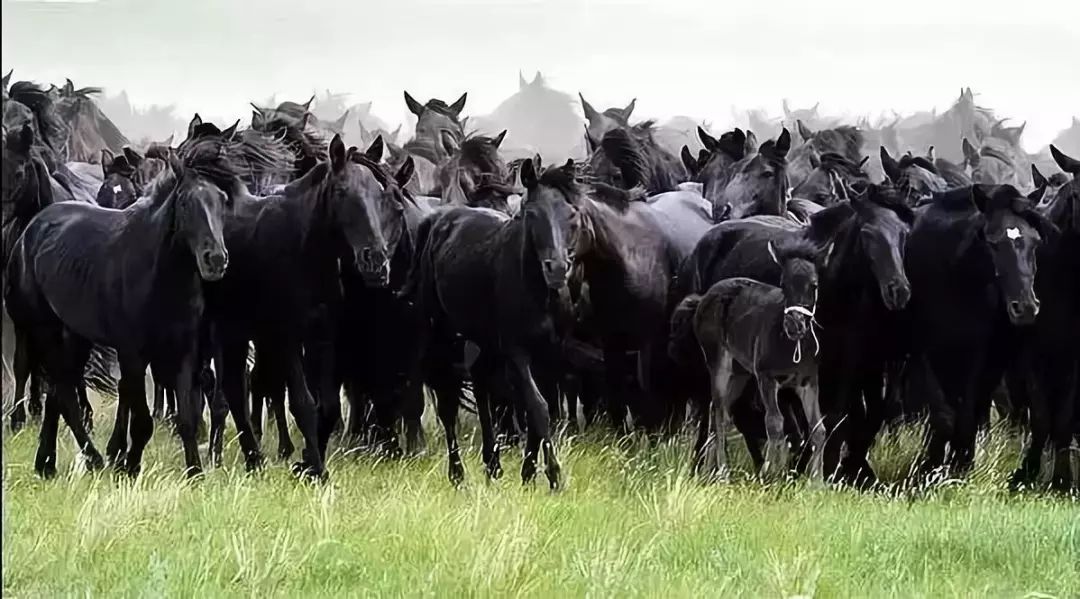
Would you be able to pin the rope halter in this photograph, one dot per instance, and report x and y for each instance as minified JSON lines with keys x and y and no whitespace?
{"x":809,"y":313}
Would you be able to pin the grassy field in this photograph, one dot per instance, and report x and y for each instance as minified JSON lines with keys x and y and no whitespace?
{"x":631,"y":522}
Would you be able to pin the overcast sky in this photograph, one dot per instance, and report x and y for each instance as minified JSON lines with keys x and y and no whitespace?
{"x":693,"y":57}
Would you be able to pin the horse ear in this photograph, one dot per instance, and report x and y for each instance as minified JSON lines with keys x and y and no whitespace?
{"x":804,"y":132}
{"x":971,"y":155}
{"x":980,"y":195}
{"x":414,"y":106}
{"x":787,"y":109}
{"x":257,"y":119}
{"x":396,"y":133}
{"x":688,"y":160}
{"x":337,"y":153}
{"x":229,"y":133}
{"x":1066,"y":163}
{"x":591,"y":141}
{"x":459,"y":105}
{"x":750,"y":145}
{"x":783,"y":143}
{"x":522,"y":84}
{"x":375,"y":150}
{"x":339,"y":125}
{"x":626,"y":112}
{"x":890,"y":166}
{"x":590,"y":113}
{"x":133,"y":157}
{"x":569,"y":166}
{"x":449,"y":142}
{"x":707,"y":140}
{"x":499,"y":138}
{"x":107,"y":158}
{"x":538,"y":79}
{"x":175,"y":164}
{"x":195,"y":122}
{"x":815,"y":161}
{"x":307,"y":105}
{"x":168,"y":141}
{"x":528,"y":174}
{"x":405,"y":172}
{"x":772,"y":252}
{"x":1037,"y":178}
{"x":7,"y":78}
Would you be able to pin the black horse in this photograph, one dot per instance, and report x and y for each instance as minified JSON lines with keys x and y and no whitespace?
{"x":283,"y":290}
{"x":747,"y":329}
{"x":972,"y":258}
{"x":500,"y":283}
{"x":472,"y":163}
{"x":68,"y":287}
{"x":630,"y":252}
{"x":127,"y":177}
{"x":755,"y":184}
{"x":1050,"y":361}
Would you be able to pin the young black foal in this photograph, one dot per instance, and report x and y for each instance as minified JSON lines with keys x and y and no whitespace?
{"x":749,"y":329}
{"x":129,"y":279}
{"x":500,"y":283}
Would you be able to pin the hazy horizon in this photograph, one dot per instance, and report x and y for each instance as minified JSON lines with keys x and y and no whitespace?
{"x":679,"y":57}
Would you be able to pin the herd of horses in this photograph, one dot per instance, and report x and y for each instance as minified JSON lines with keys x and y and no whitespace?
{"x":779,"y":286}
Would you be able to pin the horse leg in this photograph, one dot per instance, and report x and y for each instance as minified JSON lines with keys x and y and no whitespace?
{"x":571,"y":385}
{"x":22,"y":367}
{"x":412,"y":409}
{"x":1066,"y":377}
{"x":808,"y":395}
{"x":85,"y":408}
{"x":158,"y":411}
{"x":615,"y":372}
{"x":305,"y":413}
{"x":37,"y":384}
{"x":1040,"y":420}
{"x":484,"y":371}
{"x":77,"y":353}
{"x":45,"y":460}
{"x":329,"y":403}
{"x":233,"y":355}
{"x":219,"y":411}
{"x":132,"y":389}
{"x":538,"y":435}
{"x":726,"y":388}
{"x":446,"y":399}
{"x":776,"y":446}
{"x":281,"y":422}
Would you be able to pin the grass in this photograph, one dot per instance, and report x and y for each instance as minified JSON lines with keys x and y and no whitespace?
{"x":631,"y":522}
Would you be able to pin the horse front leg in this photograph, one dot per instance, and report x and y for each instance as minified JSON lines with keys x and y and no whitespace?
{"x":776,"y":445}
{"x":22,"y":367}
{"x":538,"y":422}
{"x":808,"y":396}
{"x":305,"y":413}
{"x":233,"y":354}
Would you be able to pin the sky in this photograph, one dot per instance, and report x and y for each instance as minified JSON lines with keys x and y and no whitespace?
{"x":678,"y":57}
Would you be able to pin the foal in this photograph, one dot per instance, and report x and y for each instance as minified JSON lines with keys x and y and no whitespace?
{"x":751,"y":329}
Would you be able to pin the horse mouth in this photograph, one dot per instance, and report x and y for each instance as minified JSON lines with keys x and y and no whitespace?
{"x":212,"y":268}
{"x":795,"y":327}
{"x":896,"y":295}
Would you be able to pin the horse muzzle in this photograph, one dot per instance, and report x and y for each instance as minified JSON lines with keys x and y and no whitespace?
{"x":796,"y":326}
{"x":1023,"y":312}
{"x":555,"y":273}
{"x":373,"y":266}
{"x":213,"y":264}
{"x":896,"y":294}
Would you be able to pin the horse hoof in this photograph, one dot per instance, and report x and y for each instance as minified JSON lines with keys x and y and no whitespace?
{"x":457,"y":474}
{"x":309,"y":473}
{"x":17,"y":425}
{"x":45,"y":467}
{"x":494,"y":471}
{"x":1060,"y":484}
{"x":94,"y":461}
{"x":284,"y":452}
{"x":528,"y":473}
{"x":117,"y":459}
{"x":193,"y":472}
{"x":253,"y":461}
{"x":1018,"y":481}
{"x":554,"y":476}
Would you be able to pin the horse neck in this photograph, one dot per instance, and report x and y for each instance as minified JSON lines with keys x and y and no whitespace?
{"x":849,"y":268}
{"x":610,"y":231}
{"x":310,"y":204}
{"x":148,"y":225}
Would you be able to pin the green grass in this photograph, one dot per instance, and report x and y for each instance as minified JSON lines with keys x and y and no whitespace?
{"x":630,"y":522}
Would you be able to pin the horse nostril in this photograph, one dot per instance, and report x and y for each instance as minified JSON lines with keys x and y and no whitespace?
{"x":549,"y":265}
{"x":1015,"y":309}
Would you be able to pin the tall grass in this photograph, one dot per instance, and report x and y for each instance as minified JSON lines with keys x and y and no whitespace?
{"x":631,"y":522}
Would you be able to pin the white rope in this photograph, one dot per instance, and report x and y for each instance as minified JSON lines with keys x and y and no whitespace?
{"x":797,"y":356}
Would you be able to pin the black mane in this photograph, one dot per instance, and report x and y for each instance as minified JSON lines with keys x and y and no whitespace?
{"x":40,"y":103}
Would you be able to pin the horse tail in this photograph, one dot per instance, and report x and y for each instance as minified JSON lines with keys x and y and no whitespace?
{"x":100,"y":368}
{"x":682,"y":342}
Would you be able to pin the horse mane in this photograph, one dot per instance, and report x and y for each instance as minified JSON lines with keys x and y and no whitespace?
{"x":262,"y":153}
{"x":481,"y":152}
{"x":226,"y":161}
{"x":625,"y":152}
{"x":791,"y":247}
{"x":437,"y":105}
{"x":377,"y":170}
{"x":80,"y":105}
{"x":562,"y":180}
{"x":40,"y":103}
{"x":842,"y":166}
{"x":304,"y":142}
{"x":997,"y":154}
{"x":845,"y":140}
{"x":891,"y":197}
{"x":616,"y":197}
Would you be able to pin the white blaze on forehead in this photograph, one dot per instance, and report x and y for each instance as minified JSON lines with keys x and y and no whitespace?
{"x":116,"y":189}
{"x":1012,"y":233}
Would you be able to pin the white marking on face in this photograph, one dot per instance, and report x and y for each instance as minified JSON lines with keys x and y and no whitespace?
{"x":1012,"y":233}
{"x":116,"y":189}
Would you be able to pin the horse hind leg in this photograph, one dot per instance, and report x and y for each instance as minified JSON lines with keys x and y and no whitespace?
{"x":776,"y":446}
{"x":277,"y":408}
{"x":726,"y":388}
